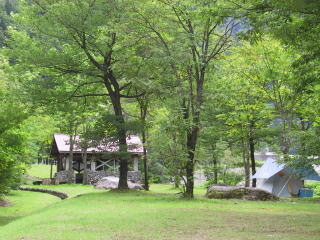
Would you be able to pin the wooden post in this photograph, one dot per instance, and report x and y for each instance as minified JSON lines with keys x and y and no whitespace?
{"x":51,"y":168}
{"x":136,"y":163}
{"x":93,"y":166}
{"x":67,"y":162}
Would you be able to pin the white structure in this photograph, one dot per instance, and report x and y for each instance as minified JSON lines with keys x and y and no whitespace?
{"x":99,"y":158}
{"x":283,"y":181}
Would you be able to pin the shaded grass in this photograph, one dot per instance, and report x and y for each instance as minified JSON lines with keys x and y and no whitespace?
{"x":161,"y":214}
{"x":23,"y":203}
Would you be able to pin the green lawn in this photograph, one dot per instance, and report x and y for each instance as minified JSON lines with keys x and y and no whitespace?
{"x":41,"y":170}
{"x":23,"y":204}
{"x":159,"y":214}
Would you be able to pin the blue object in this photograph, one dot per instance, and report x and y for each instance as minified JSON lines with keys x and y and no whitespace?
{"x":305,"y":192}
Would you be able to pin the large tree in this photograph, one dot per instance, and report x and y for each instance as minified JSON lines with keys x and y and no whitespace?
{"x":82,"y":48}
{"x":192,"y":35}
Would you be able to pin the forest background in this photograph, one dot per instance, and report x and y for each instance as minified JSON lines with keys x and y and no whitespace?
{"x":205,"y":84}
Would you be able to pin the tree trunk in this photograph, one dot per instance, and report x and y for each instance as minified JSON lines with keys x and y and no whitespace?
{"x":85,"y":170}
{"x":113,"y":88}
{"x":145,"y":161}
{"x":121,"y":132}
{"x":123,"y":177}
{"x":253,"y":161}
{"x":70,"y":160}
{"x":191,"y":145}
{"x":51,"y":166}
{"x":246,"y":164}
{"x":123,"y":156}
{"x":215,"y":170}
{"x":177,"y":180}
{"x":215,"y":164}
{"x":284,"y":141}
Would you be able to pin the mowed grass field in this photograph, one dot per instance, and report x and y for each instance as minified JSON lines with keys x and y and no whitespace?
{"x":41,"y":170}
{"x":158,"y":214}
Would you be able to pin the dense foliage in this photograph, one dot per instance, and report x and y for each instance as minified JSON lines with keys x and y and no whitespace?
{"x":205,"y":84}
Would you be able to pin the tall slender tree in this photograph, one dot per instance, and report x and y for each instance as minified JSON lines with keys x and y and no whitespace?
{"x":192,"y":36}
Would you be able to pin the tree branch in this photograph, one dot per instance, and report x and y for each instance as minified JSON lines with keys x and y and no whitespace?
{"x":133,"y":96}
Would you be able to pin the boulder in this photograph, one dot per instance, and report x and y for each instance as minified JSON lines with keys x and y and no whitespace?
{"x":46,"y":181}
{"x":94,"y":176}
{"x":65,"y":176}
{"x":112,"y":183}
{"x":245,"y":193}
{"x":4,"y":202}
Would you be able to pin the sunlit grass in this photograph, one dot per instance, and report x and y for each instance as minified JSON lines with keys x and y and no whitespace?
{"x":158,"y":214}
{"x":24,"y":203}
{"x":41,"y":170}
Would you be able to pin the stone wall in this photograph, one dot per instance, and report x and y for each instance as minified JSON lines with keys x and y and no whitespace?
{"x":95,"y":176}
{"x":134,"y":176}
{"x":65,"y":176}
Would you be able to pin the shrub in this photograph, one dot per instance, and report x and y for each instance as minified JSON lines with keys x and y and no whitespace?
{"x":316,"y":188}
{"x":228,"y":178}
{"x":10,"y":172}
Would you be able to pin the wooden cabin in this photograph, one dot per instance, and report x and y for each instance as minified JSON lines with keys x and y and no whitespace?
{"x":101,"y":158}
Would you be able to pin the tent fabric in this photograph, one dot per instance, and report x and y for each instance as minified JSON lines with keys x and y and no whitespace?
{"x":282,"y":180}
{"x":268,"y":169}
{"x":271,"y":167}
{"x":312,"y":177}
{"x":306,"y":172}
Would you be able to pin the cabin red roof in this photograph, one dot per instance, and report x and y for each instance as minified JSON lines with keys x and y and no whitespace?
{"x":63,"y":144}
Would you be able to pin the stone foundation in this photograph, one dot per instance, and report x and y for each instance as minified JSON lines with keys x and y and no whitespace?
{"x":65,"y":177}
{"x":134,"y":176}
{"x":95,"y":176}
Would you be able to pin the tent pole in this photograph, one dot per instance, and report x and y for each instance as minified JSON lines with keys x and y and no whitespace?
{"x":284,"y":186}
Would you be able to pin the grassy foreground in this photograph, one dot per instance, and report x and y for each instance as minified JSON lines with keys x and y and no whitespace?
{"x":159,"y":214}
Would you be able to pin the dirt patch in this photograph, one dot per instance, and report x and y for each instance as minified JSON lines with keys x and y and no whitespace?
{"x":4,"y":203}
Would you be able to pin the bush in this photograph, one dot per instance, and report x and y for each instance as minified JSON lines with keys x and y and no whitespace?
{"x":157,"y":173}
{"x":10,"y":173}
{"x":315,"y":186}
{"x":228,"y":178}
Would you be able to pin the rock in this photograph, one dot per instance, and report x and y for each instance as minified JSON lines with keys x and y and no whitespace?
{"x":4,"y":202}
{"x":94,"y":176}
{"x":245,"y":193}
{"x":242,"y":184}
{"x":37,"y":182}
{"x":52,"y":192}
{"x":28,"y":180}
{"x":46,"y":181}
{"x":65,"y":177}
{"x":55,"y":181}
{"x":112,"y":183}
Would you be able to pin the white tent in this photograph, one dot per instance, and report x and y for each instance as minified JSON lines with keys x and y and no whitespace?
{"x":282,"y":181}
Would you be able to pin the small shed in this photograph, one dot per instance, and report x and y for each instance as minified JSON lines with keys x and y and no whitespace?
{"x":282,"y":180}
{"x":102,"y":157}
